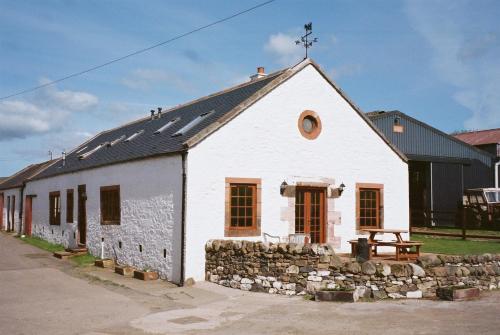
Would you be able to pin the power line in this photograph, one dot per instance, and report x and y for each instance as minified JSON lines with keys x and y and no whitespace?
{"x":138,"y":51}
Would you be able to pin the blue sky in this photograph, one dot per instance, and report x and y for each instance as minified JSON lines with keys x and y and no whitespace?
{"x":438,"y":61}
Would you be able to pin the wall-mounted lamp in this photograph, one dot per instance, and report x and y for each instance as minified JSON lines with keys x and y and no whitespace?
{"x":283,"y":187}
{"x":341,"y":189}
{"x":397,"y":120}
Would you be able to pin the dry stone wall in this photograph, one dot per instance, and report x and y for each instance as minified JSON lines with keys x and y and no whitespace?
{"x":298,"y":269}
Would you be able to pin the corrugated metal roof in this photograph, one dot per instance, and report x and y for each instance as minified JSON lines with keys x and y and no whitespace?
{"x":480,"y":137}
{"x":421,"y":140}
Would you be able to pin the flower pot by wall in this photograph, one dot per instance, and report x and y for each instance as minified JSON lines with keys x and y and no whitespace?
{"x":145,"y":275}
{"x":124,"y":270}
{"x":104,"y":263}
{"x":339,"y":296}
{"x":456,"y":293}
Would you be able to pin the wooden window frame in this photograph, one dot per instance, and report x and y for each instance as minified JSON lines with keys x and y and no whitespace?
{"x":255,"y":229}
{"x":70,"y":205}
{"x":380,"y":212}
{"x":55,"y":217}
{"x":107,"y":189}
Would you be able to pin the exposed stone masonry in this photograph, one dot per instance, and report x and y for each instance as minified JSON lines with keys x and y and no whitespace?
{"x":297,"y":269}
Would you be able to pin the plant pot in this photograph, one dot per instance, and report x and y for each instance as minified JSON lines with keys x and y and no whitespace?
{"x":125,"y":270}
{"x":339,"y":296}
{"x":145,"y":275}
{"x":457,"y":293}
{"x":104,"y":263}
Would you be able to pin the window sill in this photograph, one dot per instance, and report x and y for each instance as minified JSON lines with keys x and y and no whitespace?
{"x":110,"y":223}
{"x":241,"y":232}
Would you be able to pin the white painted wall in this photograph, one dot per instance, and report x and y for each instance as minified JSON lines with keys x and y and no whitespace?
{"x":150,"y":192}
{"x":264,"y":142}
{"x":6,"y":194}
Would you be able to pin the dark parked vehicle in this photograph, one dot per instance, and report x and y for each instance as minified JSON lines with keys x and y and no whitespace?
{"x":482,"y":206}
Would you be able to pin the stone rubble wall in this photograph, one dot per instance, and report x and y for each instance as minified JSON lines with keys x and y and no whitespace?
{"x":298,"y":269}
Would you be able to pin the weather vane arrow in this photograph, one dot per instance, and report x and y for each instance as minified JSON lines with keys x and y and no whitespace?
{"x":305,"y":40}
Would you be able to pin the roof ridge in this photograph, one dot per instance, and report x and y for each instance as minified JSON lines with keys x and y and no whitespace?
{"x":475,"y":131}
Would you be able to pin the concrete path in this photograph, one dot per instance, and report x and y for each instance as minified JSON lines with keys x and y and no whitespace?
{"x":43,"y":295}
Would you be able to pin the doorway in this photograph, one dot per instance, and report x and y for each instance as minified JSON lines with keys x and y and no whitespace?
{"x":310,"y":213}
{"x":28,"y":214}
{"x":1,"y":211}
{"x":82,"y":215}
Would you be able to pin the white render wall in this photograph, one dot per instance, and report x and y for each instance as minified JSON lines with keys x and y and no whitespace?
{"x":264,"y":142}
{"x":150,"y":194}
{"x":9,"y":193}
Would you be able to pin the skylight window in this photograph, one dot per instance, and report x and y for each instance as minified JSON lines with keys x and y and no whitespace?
{"x":85,"y":147}
{"x":167,"y":125}
{"x":118,"y":140}
{"x":134,"y":135}
{"x":88,"y":153}
{"x":191,"y":124}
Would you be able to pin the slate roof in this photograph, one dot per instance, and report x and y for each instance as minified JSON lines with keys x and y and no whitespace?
{"x":17,"y":179}
{"x":480,"y":137}
{"x":223,"y":106}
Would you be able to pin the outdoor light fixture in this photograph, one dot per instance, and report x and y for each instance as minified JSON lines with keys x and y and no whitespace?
{"x":283,"y":187}
{"x":341,"y":189}
{"x":397,"y":120}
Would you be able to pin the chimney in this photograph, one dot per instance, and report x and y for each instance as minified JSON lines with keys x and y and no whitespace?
{"x":260,"y":73}
{"x":159,"y":112}
{"x":152,"y":114}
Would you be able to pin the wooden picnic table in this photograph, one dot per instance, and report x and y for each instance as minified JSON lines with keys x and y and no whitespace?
{"x":402,"y":247}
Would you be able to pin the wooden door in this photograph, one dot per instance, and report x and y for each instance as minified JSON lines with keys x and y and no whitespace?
{"x":13,"y":213}
{"x":310,"y":213}
{"x":1,"y":211}
{"x":82,"y":214}
{"x":27,"y":215}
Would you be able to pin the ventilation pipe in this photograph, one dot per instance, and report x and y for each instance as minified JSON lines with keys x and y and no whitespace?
{"x":159,"y":112}
{"x":64,"y":158}
{"x":152,"y":114}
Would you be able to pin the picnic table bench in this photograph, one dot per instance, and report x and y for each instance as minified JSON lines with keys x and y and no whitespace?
{"x":403,"y":248}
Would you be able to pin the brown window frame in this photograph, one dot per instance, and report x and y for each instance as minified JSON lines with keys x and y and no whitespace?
{"x":105,"y":220}
{"x":254,"y":230}
{"x":360,"y":187}
{"x":314,"y":117}
{"x":70,"y":205}
{"x":55,"y":208}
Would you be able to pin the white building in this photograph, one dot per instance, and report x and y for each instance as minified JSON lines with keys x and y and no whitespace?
{"x":11,"y":197}
{"x":265,"y":157}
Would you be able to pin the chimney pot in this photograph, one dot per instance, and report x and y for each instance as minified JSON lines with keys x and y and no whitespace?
{"x":152,"y":114}
{"x":260,"y":73}
{"x":159,"y":112}
{"x":260,"y":70}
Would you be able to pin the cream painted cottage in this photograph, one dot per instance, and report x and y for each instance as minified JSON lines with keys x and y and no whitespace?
{"x":285,"y":153}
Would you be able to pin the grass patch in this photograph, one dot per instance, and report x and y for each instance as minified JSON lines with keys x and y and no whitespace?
{"x":42,"y":244}
{"x":469,"y":232}
{"x":83,"y":260}
{"x":455,"y":246}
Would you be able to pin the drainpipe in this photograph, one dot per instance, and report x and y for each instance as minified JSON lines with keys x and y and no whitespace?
{"x":497,"y":165}
{"x":432,"y":200}
{"x":183,"y":217}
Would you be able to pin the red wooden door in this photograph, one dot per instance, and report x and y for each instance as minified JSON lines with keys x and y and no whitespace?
{"x":27,"y":215}
{"x":310,"y":213}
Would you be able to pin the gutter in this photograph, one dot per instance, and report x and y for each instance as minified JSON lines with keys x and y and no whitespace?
{"x":183,"y":217}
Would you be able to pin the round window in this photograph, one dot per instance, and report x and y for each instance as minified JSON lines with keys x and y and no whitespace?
{"x":309,"y":124}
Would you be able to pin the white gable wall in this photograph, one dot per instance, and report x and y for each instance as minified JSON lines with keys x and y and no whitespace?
{"x":264,"y":142}
{"x":150,"y":194}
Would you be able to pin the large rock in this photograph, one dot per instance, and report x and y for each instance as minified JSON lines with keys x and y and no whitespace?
{"x":292,"y":269}
{"x":383,"y":270}
{"x":353,"y":267}
{"x":439,"y":271}
{"x":414,"y":294}
{"x":379,"y":294}
{"x":369,"y":268}
{"x":417,"y":270}
{"x":335,"y":262}
{"x":400,"y":270}
{"x":429,"y":260}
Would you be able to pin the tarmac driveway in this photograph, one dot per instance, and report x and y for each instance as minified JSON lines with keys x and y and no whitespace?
{"x":43,"y":295}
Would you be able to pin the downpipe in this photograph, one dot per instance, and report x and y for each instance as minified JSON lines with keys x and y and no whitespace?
{"x":497,"y":165}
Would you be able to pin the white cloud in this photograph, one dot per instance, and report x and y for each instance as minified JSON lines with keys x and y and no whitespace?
{"x":345,"y":70}
{"x":283,"y":47}
{"x":45,"y":112}
{"x":145,"y":79}
{"x":461,"y":60}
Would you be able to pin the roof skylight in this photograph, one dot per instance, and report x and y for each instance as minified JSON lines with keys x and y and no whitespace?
{"x":81,"y":149}
{"x":118,"y":140}
{"x":134,"y":135}
{"x":193,"y":123}
{"x":88,"y":153}
{"x":167,"y":125}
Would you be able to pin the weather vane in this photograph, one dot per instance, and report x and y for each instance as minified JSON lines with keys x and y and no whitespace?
{"x":304,"y":40}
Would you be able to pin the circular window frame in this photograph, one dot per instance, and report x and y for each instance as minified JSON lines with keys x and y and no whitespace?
{"x":317,"y":121}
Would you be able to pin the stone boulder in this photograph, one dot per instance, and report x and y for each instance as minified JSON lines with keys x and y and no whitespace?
{"x":368,"y":268}
{"x":429,"y":260}
{"x":417,"y":270}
